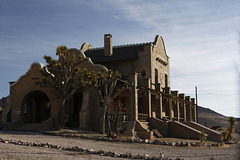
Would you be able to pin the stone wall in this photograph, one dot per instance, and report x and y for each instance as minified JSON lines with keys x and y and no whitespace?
{"x":23,"y":87}
{"x":212,"y":134}
{"x":26,"y":86}
{"x":179,"y":130}
{"x":159,"y":63}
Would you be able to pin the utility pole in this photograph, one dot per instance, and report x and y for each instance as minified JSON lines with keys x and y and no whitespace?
{"x":196,"y":103}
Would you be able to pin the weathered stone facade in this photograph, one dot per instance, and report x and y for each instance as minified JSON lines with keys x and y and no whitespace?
{"x":149,"y":108}
{"x":149,"y":63}
{"x":146,"y":67}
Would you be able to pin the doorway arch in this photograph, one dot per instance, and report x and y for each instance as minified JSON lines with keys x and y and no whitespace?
{"x":36,"y":107}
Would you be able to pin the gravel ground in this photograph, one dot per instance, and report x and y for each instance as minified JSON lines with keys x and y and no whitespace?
{"x":10,"y":151}
{"x":15,"y":152}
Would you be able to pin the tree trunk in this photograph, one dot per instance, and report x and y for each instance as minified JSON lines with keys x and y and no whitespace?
{"x":61,"y":108}
{"x":102,"y":121}
{"x":229,"y":137}
{"x":109,"y":128}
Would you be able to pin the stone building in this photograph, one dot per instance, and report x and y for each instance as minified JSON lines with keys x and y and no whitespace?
{"x":148,"y":64}
{"x":28,"y":104}
{"x":149,"y":108}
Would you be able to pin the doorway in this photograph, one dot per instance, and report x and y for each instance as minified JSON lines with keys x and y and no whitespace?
{"x":36,"y":107}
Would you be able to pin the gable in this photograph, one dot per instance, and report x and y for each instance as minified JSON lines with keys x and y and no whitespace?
{"x":158,"y":48}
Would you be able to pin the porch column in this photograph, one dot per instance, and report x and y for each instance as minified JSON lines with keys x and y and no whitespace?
{"x":160,"y":105}
{"x":189,"y":106}
{"x":168,"y":91}
{"x":194,"y":114}
{"x":134,"y":96}
{"x":178,"y":118}
{"x":176,"y":108}
{"x":185,"y":111}
{"x":149,"y":98}
{"x":182,"y":96}
{"x":170,"y":107}
{"x":190,"y":112}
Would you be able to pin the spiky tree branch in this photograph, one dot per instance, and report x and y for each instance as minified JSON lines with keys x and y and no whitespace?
{"x":66,"y":76}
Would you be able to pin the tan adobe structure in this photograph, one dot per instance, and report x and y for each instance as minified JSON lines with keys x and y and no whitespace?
{"x":149,"y":108}
{"x":28,"y":103}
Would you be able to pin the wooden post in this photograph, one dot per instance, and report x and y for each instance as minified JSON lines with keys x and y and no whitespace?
{"x":196,"y":107}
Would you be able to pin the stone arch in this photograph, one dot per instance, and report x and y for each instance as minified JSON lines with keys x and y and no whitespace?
{"x":35,"y":107}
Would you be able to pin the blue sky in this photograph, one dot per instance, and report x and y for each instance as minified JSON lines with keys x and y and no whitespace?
{"x":201,"y":38}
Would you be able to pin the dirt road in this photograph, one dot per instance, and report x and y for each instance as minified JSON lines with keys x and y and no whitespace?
{"x":10,"y":151}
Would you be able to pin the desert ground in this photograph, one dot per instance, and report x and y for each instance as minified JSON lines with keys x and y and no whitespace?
{"x":12,"y":151}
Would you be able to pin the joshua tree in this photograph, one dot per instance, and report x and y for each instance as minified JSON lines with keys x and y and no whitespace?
{"x":232,"y":123}
{"x":65,"y":76}
{"x":224,"y":135}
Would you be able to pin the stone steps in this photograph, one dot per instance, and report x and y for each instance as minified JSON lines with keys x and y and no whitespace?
{"x":145,"y":125}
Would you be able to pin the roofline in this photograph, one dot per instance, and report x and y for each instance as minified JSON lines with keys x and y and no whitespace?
{"x":123,"y":46}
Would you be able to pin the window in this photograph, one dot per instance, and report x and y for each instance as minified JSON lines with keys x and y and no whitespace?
{"x":143,"y":73}
{"x":156,"y":76}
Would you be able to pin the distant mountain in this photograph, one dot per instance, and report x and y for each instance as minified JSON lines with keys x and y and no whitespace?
{"x":210,"y":118}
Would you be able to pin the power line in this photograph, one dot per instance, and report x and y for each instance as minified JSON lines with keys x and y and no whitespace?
{"x":209,"y":91}
{"x":203,"y":90}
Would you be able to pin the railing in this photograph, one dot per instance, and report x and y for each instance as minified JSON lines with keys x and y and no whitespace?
{"x":142,"y":116}
{"x":122,"y":117}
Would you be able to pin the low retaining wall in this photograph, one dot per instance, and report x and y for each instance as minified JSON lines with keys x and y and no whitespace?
{"x":212,"y":134}
{"x":180,"y":130}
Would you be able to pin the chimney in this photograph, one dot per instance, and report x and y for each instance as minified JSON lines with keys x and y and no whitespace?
{"x":108,"y":51}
